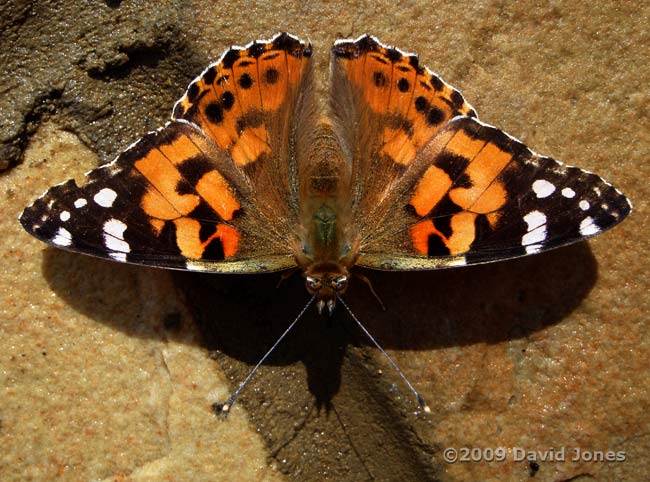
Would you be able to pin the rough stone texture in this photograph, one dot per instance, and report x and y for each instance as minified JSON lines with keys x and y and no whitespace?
{"x":106,"y":375}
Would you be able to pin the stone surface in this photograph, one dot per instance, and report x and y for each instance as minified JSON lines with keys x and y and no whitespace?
{"x":105,"y":368}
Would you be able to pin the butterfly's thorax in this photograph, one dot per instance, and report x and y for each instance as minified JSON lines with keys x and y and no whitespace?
{"x":325,"y":245}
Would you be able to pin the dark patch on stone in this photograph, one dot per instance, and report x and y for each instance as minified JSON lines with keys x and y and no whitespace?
{"x":173,"y":321}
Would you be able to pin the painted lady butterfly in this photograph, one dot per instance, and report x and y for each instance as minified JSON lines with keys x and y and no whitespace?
{"x":250,"y":177}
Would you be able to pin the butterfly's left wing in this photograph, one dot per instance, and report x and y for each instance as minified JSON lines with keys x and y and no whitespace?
{"x":173,"y":200}
{"x":214,"y":190}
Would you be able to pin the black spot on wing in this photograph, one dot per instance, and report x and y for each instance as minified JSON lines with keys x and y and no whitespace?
{"x":435,"y":116}
{"x":230,"y":58}
{"x":245,"y":81}
{"x":214,"y":251}
{"x":436,"y":246}
{"x":256,"y":50}
{"x":194,"y":168}
{"x":379,"y":79}
{"x":393,"y":55}
{"x":227,"y":100}
{"x":271,"y":75}
{"x":453,"y":165}
{"x":214,"y":113}
{"x":210,"y":75}
{"x":403,"y":85}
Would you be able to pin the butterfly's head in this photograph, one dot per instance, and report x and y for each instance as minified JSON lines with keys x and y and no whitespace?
{"x":326,"y":281}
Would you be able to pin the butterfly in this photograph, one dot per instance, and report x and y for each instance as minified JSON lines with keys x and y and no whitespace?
{"x":394,"y":172}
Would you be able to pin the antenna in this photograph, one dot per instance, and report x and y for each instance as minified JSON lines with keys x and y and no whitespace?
{"x":224,"y":408}
{"x":423,"y":405}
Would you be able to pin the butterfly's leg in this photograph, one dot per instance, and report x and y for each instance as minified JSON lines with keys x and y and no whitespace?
{"x":372,"y":290}
{"x":285,"y":275}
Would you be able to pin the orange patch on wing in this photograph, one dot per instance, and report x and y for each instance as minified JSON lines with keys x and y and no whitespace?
{"x":463,"y":145}
{"x":179,"y":150}
{"x":229,"y":239}
{"x":157,"y":206}
{"x":189,"y":242}
{"x":462,"y":236}
{"x":430,"y":189}
{"x":493,"y":218}
{"x":399,"y":147}
{"x":164,"y":177}
{"x":420,"y":233}
{"x":250,"y":146}
{"x":483,"y":171}
{"x":217,"y":193}
{"x":157,"y":225}
{"x":463,"y":232}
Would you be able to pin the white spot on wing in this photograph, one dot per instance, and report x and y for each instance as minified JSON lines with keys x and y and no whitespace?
{"x":568,"y":192}
{"x":114,"y":236}
{"x":533,"y":248}
{"x":536,"y":222}
{"x":105,"y":197}
{"x":118,"y":256}
{"x":62,"y":237}
{"x":543,"y":188}
{"x":64,"y":216}
{"x":588,"y":228}
{"x":79,"y":203}
{"x":584,"y":205}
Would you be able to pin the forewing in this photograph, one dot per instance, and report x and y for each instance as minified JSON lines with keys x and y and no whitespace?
{"x":475,"y":194}
{"x":385,"y":108}
{"x":252,"y":103}
{"x":173,"y":200}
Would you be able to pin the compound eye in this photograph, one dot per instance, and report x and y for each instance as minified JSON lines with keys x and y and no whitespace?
{"x":313,"y":283}
{"x":340,"y":283}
